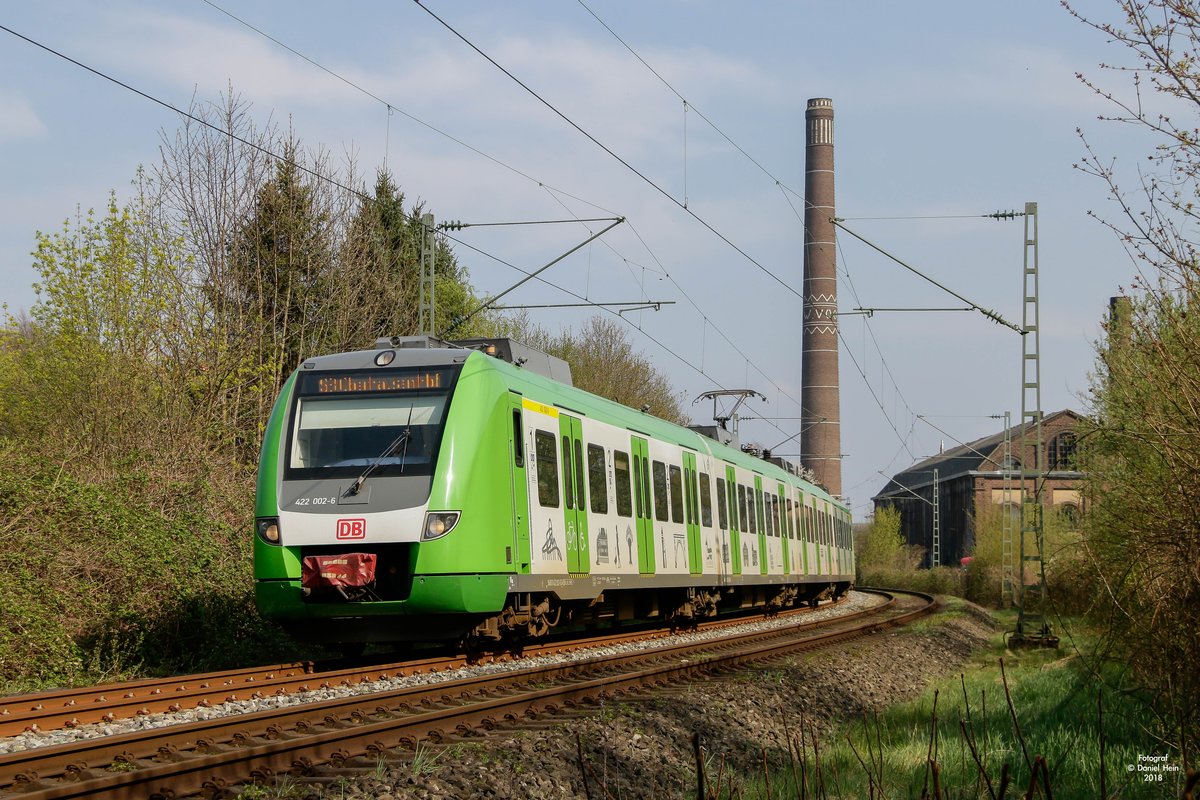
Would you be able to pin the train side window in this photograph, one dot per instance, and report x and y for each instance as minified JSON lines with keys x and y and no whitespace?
{"x":580,"y":494}
{"x":660,"y":491}
{"x":693,"y":498}
{"x":758,"y":506}
{"x":722,"y":511}
{"x":694,"y":485}
{"x":597,"y":484}
{"x":755,"y":519}
{"x":676,"y":486}
{"x":621,"y":478}
{"x":568,"y":473}
{"x":809,"y":530}
{"x":518,"y":439}
{"x":742,"y":507}
{"x":547,"y":468}
{"x":769,"y":521}
{"x":638,"y":490}
{"x":705,"y":500}
{"x":791,"y":520}
{"x":645,"y":485}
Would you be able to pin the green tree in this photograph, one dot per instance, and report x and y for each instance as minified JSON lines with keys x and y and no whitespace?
{"x":378,"y":286}
{"x":135,"y":389}
{"x":90,"y":369}
{"x":879,"y":544}
{"x":282,"y":256}
{"x":1142,"y":455}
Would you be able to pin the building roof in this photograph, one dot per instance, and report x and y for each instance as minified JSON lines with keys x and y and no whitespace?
{"x":981,"y":455}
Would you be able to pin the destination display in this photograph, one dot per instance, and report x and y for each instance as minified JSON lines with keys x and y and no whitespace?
{"x":366,"y":382}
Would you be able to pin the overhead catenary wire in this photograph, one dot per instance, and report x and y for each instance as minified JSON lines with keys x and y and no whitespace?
{"x":554,"y":192}
{"x":687,"y":104}
{"x":323,"y":177}
{"x":642,"y":176}
{"x":853,"y":290}
{"x":267,"y":152}
{"x":987,"y":312}
{"x":460,"y":321}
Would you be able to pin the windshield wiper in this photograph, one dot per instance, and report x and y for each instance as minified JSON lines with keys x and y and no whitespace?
{"x":402,"y":439}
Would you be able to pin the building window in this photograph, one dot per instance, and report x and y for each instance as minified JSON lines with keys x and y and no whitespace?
{"x":1062,"y":451}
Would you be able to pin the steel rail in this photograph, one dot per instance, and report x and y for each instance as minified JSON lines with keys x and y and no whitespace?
{"x":55,"y":761}
{"x":69,"y":708}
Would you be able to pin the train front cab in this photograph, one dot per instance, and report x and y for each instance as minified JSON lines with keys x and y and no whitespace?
{"x":430,"y":583}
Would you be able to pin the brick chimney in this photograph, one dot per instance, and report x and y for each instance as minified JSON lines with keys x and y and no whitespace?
{"x":821,"y":437}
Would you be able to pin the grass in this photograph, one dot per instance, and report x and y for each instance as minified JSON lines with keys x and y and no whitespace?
{"x":1009,"y":720}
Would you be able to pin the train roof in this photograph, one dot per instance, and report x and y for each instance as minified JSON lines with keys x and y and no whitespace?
{"x":572,"y":398}
{"x":525,"y":369}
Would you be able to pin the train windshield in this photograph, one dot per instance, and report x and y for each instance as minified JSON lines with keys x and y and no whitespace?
{"x":346,"y":422}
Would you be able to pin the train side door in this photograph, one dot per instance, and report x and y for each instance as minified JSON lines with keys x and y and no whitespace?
{"x":640,"y":453}
{"x":735,"y":538}
{"x":520,"y":489}
{"x":801,"y":535}
{"x":691,"y":504}
{"x":574,"y":494}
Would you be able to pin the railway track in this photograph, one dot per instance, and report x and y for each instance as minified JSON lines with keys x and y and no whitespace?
{"x":204,"y":757}
{"x":71,"y":708}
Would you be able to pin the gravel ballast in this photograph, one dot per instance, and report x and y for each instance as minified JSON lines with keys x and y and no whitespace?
{"x":637,"y":747}
{"x":855,"y":601}
{"x":643,"y":747}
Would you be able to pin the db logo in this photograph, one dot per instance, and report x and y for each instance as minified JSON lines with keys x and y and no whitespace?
{"x":351,"y":528}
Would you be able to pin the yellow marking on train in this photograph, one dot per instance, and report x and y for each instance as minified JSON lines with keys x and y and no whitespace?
{"x":540,"y":408}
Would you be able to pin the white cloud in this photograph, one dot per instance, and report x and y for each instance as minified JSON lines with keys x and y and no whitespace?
{"x":18,"y":120}
{"x":190,"y":54}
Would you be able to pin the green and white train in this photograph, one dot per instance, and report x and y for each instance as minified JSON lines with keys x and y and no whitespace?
{"x":427,"y":491}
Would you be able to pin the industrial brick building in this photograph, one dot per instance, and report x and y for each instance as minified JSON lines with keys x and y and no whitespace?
{"x":972,"y":476}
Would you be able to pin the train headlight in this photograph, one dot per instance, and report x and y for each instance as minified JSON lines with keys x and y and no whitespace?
{"x":385,"y":358}
{"x":438,"y":524}
{"x":268,"y":529}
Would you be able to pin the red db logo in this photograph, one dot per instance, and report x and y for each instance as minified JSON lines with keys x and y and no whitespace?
{"x":351,"y":528}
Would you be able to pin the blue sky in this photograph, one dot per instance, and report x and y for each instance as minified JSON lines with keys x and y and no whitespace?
{"x":942,"y":109}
